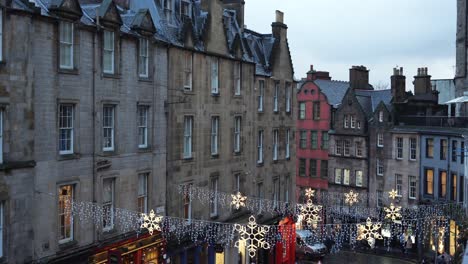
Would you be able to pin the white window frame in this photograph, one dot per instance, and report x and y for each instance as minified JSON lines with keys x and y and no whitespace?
{"x":339,"y":144}
{"x":237,"y":133}
{"x":399,"y":148}
{"x":260,"y":147}
{"x":288,"y":137}
{"x":188,"y":69}
{"x":275,"y":97}
{"x":188,"y":128}
{"x":413,"y":148}
{"x":110,"y":128}
{"x":288,"y":97}
{"x":412,"y":184}
{"x":358,"y":124}
{"x":338,"y":175}
{"x":237,"y":78}
{"x":110,"y":203}
{"x":237,"y":178}
{"x":66,"y":43}
{"x":142,"y":126}
{"x":275,"y":144}
{"x":214,"y":198}
{"x":346,"y":148}
{"x":359,"y":149}
{"x":214,"y":76}
{"x":108,"y":50}
{"x":143,"y":192}
{"x":66,"y":213}
{"x":261,"y":91}
{"x":214,"y":135}
{"x":360,"y":177}
{"x":67,"y":128}
{"x":302,"y":112}
{"x":346,"y":121}
{"x":380,"y":140}
{"x":353,"y":121}
{"x":143,"y":53}
{"x":275,"y":192}
{"x":380,"y":167}
{"x":399,"y":184}
{"x":346,"y":176}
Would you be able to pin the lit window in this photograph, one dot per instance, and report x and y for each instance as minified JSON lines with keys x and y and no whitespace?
{"x":188,"y":125}
{"x":109,"y":58}
{"x":214,"y":197}
{"x":214,"y":135}
{"x":108,"y":127}
{"x":66,"y":129}
{"x":143,"y":57}
{"x":260,"y":147}
{"x":443,"y":184}
{"x":215,"y":76}
{"x":429,"y":148}
{"x":454,"y":187}
{"x":275,"y":144}
{"x":143,"y":193}
{"x":66,"y":45}
{"x":237,"y":134}
{"x":429,"y":181}
{"x":188,"y":71}
{"x":142,"y":126}
{"x":108,"y":193}
{"x":261,"y":91}
{"x":65,"y":199}
{"x":338,"y":176}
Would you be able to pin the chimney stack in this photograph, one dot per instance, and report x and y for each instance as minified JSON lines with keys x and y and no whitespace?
{"x":422,"y":82}
{"x":398,"y":85}
{"x":359,"y":77}
{"x":279,"y":17}
{"x":279,"y":29}
{"x":317,"y":75}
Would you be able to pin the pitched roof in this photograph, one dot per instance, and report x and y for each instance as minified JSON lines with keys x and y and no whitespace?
{"x":334,"y":90}
{"x":370,"y":99}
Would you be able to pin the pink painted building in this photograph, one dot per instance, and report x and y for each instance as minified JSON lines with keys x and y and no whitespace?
{"x":317,"y":98}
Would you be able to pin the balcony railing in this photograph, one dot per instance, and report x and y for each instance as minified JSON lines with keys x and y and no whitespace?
{"x":434,"y":121}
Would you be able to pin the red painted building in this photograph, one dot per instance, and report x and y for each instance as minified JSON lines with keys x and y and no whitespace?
{"x":317,"y":98}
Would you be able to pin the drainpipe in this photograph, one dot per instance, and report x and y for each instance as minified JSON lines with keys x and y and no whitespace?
{"x":93,"y":108}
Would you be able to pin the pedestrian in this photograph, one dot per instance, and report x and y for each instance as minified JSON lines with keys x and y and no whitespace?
{"x":409,"y":244}
{"x":402,"y":243}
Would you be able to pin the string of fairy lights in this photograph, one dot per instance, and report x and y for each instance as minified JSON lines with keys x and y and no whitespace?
{"x":344,"y":225}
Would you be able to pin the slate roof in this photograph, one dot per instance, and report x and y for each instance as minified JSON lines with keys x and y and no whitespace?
{"x":255,"y":47}
{"x":334,"y":90}
{"x":453,"y":131}
{"x":370,"y":99}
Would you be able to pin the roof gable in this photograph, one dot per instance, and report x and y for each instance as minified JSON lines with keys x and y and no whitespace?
{"x":109,"y":14}
{"x":67,"y":8}
{"x":143,"y":23}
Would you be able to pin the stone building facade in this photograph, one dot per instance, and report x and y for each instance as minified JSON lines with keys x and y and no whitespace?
{"x":461,"y":75}
{"x":84,"y":92}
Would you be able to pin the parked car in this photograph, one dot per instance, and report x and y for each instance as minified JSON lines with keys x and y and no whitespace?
{"x":307,"y":247}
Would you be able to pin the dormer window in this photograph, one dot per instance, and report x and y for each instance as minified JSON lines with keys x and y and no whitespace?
{"x":168,"y":8}
{"x":381,"y":116}
{"x":66,"y":45}
{"x":186,"y":8}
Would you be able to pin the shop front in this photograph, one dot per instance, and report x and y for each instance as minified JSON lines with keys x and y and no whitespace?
{"x":142,"y":250}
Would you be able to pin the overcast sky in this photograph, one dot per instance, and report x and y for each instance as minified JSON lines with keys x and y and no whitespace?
{"x":333,"y":35}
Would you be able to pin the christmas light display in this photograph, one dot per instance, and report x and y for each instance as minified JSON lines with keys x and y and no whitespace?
{"x":253,"y":236}
{"x":351,"y":198}
{"x":238,"y":200}
{"x":151,"y":222}
{"x":369,"y":232}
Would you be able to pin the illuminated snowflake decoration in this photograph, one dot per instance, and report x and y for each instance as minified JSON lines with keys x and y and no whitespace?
{"x":393,"y":212}
{"x":311,"y":212}
{"x":151,"y":222}
{"x":310,"y":193}
{"x":238,"y":200}
{"x":351,"y":198}
{"x":369,"y":232}
{"x":392,"y":194}
{"x":253,"y":236}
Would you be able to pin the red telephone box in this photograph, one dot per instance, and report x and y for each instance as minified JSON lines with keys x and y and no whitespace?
{"x":286,"y":252}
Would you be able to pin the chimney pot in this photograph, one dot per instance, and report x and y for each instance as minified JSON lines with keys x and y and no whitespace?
{"x":401,"y":70}
{"x":311,"y":67}
{"x":279,"y":16}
